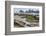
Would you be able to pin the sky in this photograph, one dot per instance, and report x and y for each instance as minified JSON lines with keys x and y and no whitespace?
{"x":16,"y":10}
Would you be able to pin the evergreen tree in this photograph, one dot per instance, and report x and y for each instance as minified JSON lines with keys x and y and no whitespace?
{"x":21,"y":11}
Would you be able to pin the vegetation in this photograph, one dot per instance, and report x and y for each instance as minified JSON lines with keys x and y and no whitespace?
{"x":29,"y":11}
{"x":21,"y":11}
{"x":36,"y":18}
{"x":31,"y":18}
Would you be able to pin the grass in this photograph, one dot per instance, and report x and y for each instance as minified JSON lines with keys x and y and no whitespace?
{"x":30,"y":18}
